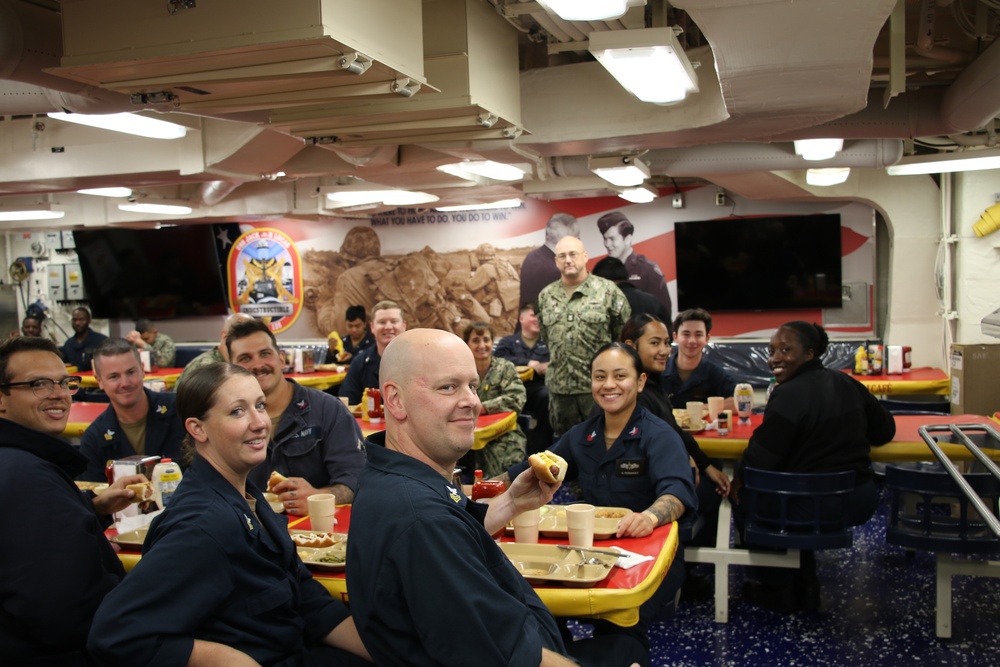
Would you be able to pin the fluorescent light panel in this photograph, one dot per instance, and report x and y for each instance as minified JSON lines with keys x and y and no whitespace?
{"x":622,"y":170}
{"x":129,"y":123}
{"x":818,"y":149}
{"x":649,"y":63}
{"x":503,"y":203}
{"x":641,"y":195}
{"x":157,"y":209}
{"x":827,"y":177}
{"x":496,"y":171}
{"x":941,"y":164}
{"x":107,"y":192}
{"x":31,"y":214}
{"x":388,"y":197}
{"x":586,"y":10}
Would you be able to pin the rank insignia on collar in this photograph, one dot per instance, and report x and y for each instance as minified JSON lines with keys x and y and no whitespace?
{"x":161,"y":409}
{"x":593,"y":434}
{"x":453,"y":493}
{"x":249,"y":522}
{"x":634,"y":431}
{"x":302,"y":405}
{"x":109,"y":434}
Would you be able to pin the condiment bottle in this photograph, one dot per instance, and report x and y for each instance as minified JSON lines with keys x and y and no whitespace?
{"x":167,"y":477}
{"x":374,"y":407}
{"x":487,"y":488}
{"x":861,"y":361}
{"x":743,"y":397}
{"x":364,"y":405}
{"x":109,"y":471}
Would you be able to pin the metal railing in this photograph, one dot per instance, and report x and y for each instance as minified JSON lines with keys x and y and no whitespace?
{"x":959,"y":432}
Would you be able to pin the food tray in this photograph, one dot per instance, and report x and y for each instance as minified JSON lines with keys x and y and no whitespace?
{"x":133,"y":539}
{"x":548,"y":564}
{"x":553,"y":521}
{"x":335,"y":538}
{"x":332,"y":559}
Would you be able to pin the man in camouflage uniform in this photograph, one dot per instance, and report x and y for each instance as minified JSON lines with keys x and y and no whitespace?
{"x":578,"y":314}
{"x":147,"y":336}
{"x":642,"y":271}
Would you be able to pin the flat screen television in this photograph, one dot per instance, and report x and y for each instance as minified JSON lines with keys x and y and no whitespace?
{"x":763,"y":263}
{"x":156,"y":273}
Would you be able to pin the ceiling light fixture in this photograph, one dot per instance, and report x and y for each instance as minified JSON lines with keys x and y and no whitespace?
{"x":589,"y":10}
{"x":649,"y":63}
{"x":386,"y":196}
{"x":503,"y":203}
{"x":157,"y":209}
{"x":620,"y":170}
{"x":496,"y":171}
{"x":129,"y":123}
{"x":107,"y":192}
{"x":827,"y":177}
{"x":31,"y":212}
{"x":643,"y":194}
{"x":971,"y":160}
{"x":818,"y":149}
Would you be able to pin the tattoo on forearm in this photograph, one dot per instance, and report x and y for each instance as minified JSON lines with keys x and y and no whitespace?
{"x":344,"y":494}
{"x":667,"y":508}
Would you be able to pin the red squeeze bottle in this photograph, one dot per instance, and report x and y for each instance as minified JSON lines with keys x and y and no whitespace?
{"x":487,"y":488}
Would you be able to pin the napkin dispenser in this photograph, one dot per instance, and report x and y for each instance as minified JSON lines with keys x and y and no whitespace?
{"x":304,"y":361}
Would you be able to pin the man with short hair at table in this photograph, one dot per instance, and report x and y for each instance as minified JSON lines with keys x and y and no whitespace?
{"x":78,"y":347}
{"x":217,"y":353}
{"x":388,"y":321}
{"x":358,"y":335}
{"x":138,"y":421}
{"x":56,"y":565}
{"x":689,"y":376}
{"x":315,"y":440}
{"x":429,"y":586}
{"x":147,"y":336}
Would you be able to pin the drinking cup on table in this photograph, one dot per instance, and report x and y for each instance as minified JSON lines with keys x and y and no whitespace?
{"x":715,"y":407}
{"x":580,"y":524}
{"x":696,"y":415}
{"x":322,"y":507}
{"x":526,"y":526}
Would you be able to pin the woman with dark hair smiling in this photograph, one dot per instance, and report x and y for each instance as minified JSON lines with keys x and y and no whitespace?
{"x":625,"y":456}
{"x":649,"y":336}
{"x":220,"y":582}
{"x":817,"y":420}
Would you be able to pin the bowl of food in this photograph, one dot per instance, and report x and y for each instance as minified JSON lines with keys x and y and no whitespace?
{"x":275,"y":502}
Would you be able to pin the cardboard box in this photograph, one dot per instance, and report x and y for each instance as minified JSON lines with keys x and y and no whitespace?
{"x":975,"y":379}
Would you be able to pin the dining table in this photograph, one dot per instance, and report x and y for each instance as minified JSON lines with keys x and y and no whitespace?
{"x":488,"y":427}
{"x":906,"y":446}
{"x":922,"y":380}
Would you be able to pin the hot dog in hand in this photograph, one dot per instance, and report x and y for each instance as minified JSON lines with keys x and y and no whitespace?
{"x":548,"y":467}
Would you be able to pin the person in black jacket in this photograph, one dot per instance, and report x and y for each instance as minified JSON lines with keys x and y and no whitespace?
{"x":56,"y":565}
{"x":650,"y":337}
{"x":817,"y":420}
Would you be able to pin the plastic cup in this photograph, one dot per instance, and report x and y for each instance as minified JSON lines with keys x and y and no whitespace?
{"x":526,"y":526}
{"x":696,"y":415}
{"x":580,"y":524}
{"x":322,"y":507}
{"x":715,"y":407}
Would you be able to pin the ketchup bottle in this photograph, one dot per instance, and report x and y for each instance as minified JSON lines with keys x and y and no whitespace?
{"x":487,"y":488}
{"x":375,"y":412}
{"x":109,"y":471}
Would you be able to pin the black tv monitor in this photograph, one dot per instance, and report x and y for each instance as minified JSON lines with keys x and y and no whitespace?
{"x":156,"y":273}
{"x":762,"y":263}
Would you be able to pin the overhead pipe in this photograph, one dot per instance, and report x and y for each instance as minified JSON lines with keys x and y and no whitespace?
{"x":924,"y":44}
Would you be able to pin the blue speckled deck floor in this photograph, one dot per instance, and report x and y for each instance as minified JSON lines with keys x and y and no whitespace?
{"x":878,"y":609}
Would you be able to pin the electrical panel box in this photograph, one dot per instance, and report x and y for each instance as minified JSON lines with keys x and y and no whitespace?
{"x":57,"y":283}
{"x":53,"y":240}
{"x":68,"y":242}
{"x":74,"y":283}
